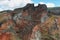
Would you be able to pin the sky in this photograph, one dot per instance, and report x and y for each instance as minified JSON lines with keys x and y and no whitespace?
{"x":12,"y":4}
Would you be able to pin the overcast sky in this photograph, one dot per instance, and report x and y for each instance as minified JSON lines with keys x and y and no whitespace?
{"x":12,"y":4}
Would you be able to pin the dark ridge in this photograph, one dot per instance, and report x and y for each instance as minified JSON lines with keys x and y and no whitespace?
{"x":6,"y":11}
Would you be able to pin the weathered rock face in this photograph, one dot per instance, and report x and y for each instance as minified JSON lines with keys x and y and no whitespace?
{"x":26,"y":18}
{"x":30,"y":16}
{"x":26,"y":21}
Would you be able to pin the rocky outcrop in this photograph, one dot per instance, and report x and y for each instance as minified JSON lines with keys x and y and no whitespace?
{"x":26,"y":18}
{"x":30,"y":16}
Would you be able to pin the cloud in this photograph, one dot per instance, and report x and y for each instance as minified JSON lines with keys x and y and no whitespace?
{"x":11,"y":4}
{"x":48,"y":4}
{"x":35,"y":4}
{"x":16,"y":3}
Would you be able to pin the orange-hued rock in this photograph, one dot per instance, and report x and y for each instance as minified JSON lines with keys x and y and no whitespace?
{"x":3,"y":26}
{"x":0,"y":36}
{"x":25,"y":13}
{"x":5,"y":36}
{"x":58,"y":20}
{"x":6,"y":24}
{"x":35,"y":28}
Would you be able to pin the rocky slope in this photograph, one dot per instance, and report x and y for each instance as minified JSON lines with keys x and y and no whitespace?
{"x":26,"y":18}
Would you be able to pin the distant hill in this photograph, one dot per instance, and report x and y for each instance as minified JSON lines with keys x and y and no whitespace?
{"x":55,"y":10}
{"x":52,"y":8}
